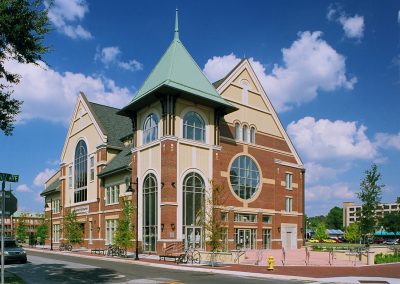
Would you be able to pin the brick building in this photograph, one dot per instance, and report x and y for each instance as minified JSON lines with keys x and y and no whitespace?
{"x":178,"y":137}
{"x":32,"y":220}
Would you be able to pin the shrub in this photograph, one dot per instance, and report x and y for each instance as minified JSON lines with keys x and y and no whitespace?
{"x":386,"y":258}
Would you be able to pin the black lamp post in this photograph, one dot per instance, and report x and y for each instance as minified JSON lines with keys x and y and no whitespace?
{"x":51,"y":222}
{"x":130,"y":189}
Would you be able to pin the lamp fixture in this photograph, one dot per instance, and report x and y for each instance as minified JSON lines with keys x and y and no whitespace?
{"x":279,"y":229}
{"x":162,"y":227}
{"x":173,"y":226}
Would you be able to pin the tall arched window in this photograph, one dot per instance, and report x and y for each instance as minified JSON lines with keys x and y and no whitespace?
{"x":245,"y":133}
{"x":252,"y":135}
{"x":80,"y":172}
{"x":237,"y":131}
{"x":193,"y":210}
{"x":150,"y":128}
{"x":194,"y":127}
{"x":150,"y":211}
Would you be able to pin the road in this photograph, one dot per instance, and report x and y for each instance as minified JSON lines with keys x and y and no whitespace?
{"x":52,"y":268}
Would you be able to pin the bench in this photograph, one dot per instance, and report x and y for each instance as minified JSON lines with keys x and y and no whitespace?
{"x":173,"y":251}
{"x":98,"y":251}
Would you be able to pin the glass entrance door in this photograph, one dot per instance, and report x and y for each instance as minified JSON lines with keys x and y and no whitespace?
{"x":194,"y":237}
{"x":245,"y":238}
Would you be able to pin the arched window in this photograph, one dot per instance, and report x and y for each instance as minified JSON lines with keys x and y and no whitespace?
{"x":194,"y":127}
{"x":150,"y":128}
{"x":244,"y":177}
{"x":80,"y":172}
{"x":193,"y":210}
{"x":150,"y":211}
{"x":237,"y":131}
{"x":245,"y":133}
{"x":252,"y":135}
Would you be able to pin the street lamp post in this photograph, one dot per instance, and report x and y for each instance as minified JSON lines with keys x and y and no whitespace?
{"x":130,"y":189}
{"x":51,"y":222}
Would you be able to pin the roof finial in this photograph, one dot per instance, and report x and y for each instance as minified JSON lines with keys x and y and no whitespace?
{"x":176,"y":34}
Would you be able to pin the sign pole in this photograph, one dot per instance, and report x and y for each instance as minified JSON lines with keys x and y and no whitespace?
{"x":3,"y":205}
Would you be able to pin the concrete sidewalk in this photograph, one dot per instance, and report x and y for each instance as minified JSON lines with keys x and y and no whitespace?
{"x":389,"y":273}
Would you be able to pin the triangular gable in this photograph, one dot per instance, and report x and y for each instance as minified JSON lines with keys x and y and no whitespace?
{"x":82,"y":101}
{"x":246,"y":66}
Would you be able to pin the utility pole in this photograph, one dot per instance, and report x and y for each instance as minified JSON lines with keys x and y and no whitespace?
{"x":3,"y":205}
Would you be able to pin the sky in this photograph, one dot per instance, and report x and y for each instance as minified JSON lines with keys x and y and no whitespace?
{"x":331,"y":69}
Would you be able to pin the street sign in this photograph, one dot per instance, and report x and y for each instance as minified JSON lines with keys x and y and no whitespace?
{"x":9,"y":177}
{"x":11,"y":203}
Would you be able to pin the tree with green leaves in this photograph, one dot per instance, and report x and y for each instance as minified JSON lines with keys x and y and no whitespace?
{"x":352,"y":233}
{"x":42,"y":231}
{"x":370,"y":196}
{"x":334,"y":219}
{"x":124,"y":234}
{"x":390,"y":221}
{"x":320,"y":232}
{"x":72,"y":228}
{"x":23,"y":25}
{"x":314,"y":221}
{"x":21,"y":231}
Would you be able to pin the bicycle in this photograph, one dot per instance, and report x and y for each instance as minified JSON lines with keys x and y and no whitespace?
{"x":190,"y":255}
{"x":65,"y":247}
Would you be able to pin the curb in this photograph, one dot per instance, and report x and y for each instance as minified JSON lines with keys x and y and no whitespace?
{"x":349,"y":279}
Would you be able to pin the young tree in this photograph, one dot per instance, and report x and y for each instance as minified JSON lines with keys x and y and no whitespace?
{"x":42,"y":231}
{"x":315,"y":221}
{"x":320,"y":232}
{"x":334,"y":219}
{"x":123,"y":234}
{"x":370,"y":196}
{"x":72,"y":228}
{"x":352,"y":233}
{"x":23,"y":24}
{"x":391,"y":222}
{"x":21,"y":231}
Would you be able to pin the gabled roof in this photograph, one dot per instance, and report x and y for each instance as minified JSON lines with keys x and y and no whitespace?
{"x":178,"y":71}
{"x":119,"y":163}
{"x":51,"y":188}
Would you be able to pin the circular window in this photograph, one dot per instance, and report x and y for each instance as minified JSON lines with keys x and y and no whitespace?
{"x":244,"y":177}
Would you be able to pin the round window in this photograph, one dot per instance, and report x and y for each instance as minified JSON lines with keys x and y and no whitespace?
{"x":244,"y":177}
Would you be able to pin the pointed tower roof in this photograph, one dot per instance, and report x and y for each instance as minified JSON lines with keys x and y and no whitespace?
{"x":177,"y":73}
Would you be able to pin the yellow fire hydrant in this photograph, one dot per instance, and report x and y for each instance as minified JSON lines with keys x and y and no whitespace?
{"x":271,"y":262}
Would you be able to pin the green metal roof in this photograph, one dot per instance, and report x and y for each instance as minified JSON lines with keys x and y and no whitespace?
{"x":53,"y":187}
{"x":119,"y":163}
{"x":177,"y":70}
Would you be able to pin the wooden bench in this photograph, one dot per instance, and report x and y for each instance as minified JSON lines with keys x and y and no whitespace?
{"x":98,"y":251}
{"x":173,"y":251}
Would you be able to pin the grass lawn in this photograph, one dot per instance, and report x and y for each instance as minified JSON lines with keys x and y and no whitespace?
{"x":10,"y":278}
{"x":333,"y":245}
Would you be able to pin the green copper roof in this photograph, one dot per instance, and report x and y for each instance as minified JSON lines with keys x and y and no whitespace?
{"x":178,"y":70}
{"x":53,"y":187}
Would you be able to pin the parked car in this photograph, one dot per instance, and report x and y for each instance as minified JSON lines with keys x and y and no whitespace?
{"x":391,"y":242}
{"x":13,"y":252}
{"x":328,"y":241}
{"x":313,"y":241}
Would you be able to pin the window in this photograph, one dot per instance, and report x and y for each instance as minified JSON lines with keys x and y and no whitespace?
{"x":111,"y":226}
{"x":245,"y":218}
{"x":289,"y":181}
{"x":289,"y":204}
{"x":80,"y":191}
{"x":244,"y":177}
{"x":150,"y":206}
{"x":56,"y":233}
{"x":252,"y":135}
{"x":70,"y":177}
{"x":92,"y":168}
{"x":266,"y":238}
{"x":237,"y":131}
{"x":55,"y":206}
{"x":267,"y":219}
{"x":224,"y":216}
{"x":245,"y":134}
{"x":245,"y":96}
{"x":245,"y":238}
{"x":112,"y":194}
{"x":150,"y":129}
{"x":193,"y":210}
{"x":224,"y":239}
{"x":90,"y":232}
{"x":194,"y":127}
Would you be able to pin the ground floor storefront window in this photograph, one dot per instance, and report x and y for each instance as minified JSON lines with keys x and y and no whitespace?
{"x":245,"y":238}
{"x":266,"y":238}
{"x":111,"y":226}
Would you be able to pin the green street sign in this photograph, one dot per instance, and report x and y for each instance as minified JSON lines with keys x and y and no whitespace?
{"x":9,"y":177}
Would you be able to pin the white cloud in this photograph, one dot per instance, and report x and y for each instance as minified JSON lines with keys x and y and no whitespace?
{"x":218,"y":66}
{"x":23,"y":188}
{"x":386,"y":140}
{"x":43,"y":176}
{"x":310,"y":65}
{"x":336,"y":192}
{"x":316,"y":172}
{"x":65,"y":13}
{"x":398,"y":17}
{"x":325,"y":139}
{"x":353,"y":27}
{"x":51,"y":95}
{"x":110,"y":55}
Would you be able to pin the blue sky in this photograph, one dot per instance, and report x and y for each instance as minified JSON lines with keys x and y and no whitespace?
{"x":331,"y":69}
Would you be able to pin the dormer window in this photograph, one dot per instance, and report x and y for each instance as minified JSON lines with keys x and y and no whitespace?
{"x":150,"y":129}
{"x":194,"y":127}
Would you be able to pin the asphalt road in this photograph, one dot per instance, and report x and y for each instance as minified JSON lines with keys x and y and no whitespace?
{"x":52,"y":268}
